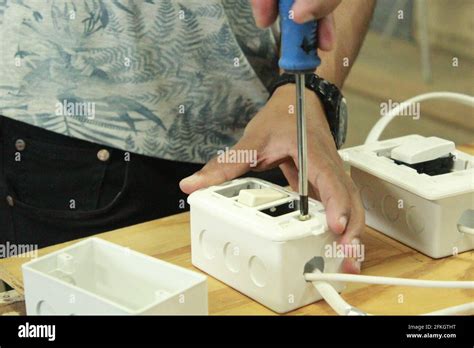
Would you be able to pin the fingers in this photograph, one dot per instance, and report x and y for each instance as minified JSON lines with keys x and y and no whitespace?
{"x":353,"y":264}
{"x":344,"y":211}
{"x":333,"y":195}
{"x":265,"y":12}
{"x":352,"y":235}
{"x":326,"y":33}
{"x":306,"y":10}
{"x":356,"y":223}
{"x":218,"y":170}
{"x":291,"y":173}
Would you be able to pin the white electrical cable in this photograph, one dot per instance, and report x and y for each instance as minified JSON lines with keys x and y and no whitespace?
{"x":332,"y":298}
{"x":465,"y":229}
{"x":341,"y":307}
{"x":379,"y":127}
{"x":464,"y":309}
{"x":356,"y":278}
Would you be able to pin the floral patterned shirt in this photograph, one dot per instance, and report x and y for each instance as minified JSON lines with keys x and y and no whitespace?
{"x":173,"y":79}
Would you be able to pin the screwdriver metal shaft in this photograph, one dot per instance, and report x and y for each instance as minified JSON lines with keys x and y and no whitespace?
{"x":302,"y":147}
{"x":299,"y":55}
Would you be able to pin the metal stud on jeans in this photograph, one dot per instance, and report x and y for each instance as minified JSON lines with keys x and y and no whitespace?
{"x":10,"y":201}
{"x":20,"y":145}
{"x":103,"y":155}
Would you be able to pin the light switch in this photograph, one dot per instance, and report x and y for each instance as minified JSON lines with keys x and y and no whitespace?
{"x":423,"y":150}
{"x":255,"y":197}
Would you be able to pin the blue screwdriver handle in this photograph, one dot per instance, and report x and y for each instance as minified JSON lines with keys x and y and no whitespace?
{"x":298,"y":42}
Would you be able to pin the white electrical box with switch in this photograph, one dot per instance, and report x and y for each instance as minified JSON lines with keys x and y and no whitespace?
{"x":418,"y":190}
{"x":247,"y":233}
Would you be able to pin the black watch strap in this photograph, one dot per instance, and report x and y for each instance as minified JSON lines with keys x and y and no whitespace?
{"x":330,"y":97}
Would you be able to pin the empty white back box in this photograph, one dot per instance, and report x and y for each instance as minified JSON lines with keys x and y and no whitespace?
{"x":96,"y":277}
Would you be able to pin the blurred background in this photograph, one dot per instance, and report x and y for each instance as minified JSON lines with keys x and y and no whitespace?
{"x":412,"y":48}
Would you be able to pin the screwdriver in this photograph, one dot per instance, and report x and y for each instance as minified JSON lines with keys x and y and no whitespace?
{"x":299,"y":57}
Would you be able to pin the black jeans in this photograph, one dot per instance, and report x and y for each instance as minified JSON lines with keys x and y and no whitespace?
{"x":55,"y":188}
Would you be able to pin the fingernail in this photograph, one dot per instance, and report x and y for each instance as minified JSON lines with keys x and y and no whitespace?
{"x":357,"y":265}
{"x":343,"y":222}
{"x":355,"y":241}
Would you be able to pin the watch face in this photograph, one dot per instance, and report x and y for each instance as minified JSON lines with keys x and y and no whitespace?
{"x":342,"y":118}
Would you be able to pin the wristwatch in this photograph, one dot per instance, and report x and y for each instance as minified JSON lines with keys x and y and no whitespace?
{"x":333,"y":101}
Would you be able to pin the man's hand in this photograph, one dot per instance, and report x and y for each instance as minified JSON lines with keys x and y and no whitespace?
{"x":266,"y":12}
{"x":272,"y":133}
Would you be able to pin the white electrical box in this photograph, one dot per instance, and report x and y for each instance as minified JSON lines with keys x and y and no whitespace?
{"x":247,"y":233}
{"x":96,"y":277}
{"x":432,"y":213}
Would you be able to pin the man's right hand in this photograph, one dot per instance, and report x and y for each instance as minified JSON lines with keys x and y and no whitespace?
{"x":272,"y":135}
{"x":266,"y":12}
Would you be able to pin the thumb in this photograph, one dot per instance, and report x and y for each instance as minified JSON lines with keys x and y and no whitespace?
{"x":326,"y":33}
{"x":227,"y":165}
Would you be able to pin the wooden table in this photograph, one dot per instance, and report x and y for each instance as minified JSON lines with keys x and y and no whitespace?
{"x":169,"y":239}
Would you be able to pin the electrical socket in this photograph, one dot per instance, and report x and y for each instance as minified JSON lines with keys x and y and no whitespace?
{"x":430,"y":213}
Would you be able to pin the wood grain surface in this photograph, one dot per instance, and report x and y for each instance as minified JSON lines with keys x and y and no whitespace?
{"x":169,"y":239}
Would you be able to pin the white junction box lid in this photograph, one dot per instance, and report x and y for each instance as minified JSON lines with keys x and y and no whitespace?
{"x":379,"y":159}
{"x":96,"y":277}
